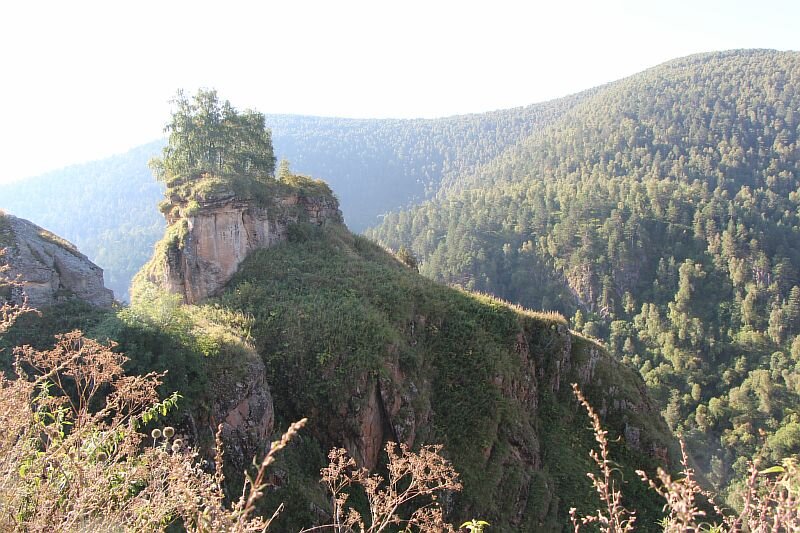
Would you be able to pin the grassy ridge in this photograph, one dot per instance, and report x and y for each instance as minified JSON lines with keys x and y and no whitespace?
{"x":662,"y":214}
{"x":332,"y":312}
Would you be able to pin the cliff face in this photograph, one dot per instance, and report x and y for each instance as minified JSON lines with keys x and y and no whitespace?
{"x":400,"y":406}
{"x":241,"y":402}
{"x":212,"y":239}
{"x":52,"y":270}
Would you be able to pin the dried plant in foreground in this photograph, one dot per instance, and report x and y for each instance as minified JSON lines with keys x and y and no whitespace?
{"x":72,"y":457}
{"x":412,"y":477}
{"x":254,"y":488}
{"x":771,"y":501}
{"x":615,"y":518}
{"x":771,"y":497}
{"x":680,"y":497}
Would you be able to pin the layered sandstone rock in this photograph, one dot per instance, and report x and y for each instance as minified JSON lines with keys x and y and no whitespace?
{"x":52,"y":270}
{"x":220,"y":233}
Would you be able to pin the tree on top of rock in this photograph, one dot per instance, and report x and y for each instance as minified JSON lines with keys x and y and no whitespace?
{"x":209,"y":137}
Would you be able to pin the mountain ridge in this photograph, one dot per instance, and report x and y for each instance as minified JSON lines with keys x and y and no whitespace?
{"x":329,"y":324}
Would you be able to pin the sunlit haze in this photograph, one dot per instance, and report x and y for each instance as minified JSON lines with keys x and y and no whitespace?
{"x":83,"y":80}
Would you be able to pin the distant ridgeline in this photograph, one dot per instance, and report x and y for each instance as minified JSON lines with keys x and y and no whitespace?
{"x":663,"y":214}
{"x":107,"y":207}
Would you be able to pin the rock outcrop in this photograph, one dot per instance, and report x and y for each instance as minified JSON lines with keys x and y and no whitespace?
{"x":392,"y":406}
{"x":52,"y":270}
{"x":242,"y":404}
{"x":399,"y":406}
{"x":212,"y":239}
{"x":489,"y":382}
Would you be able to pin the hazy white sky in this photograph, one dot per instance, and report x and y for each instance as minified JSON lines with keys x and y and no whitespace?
{"x":82,"y":79}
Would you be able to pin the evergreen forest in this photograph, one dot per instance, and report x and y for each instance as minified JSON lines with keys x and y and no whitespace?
{"x":663,"y":215}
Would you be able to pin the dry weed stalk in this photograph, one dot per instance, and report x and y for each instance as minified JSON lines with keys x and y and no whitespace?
{"x":680,"y":496}
{"x":254,"y":488}
{"x":771,"y":497}
{"x":771,"y":501}
{"x":615,"y":518}
{"x":72,"y":458}
{"x":412,"y":477}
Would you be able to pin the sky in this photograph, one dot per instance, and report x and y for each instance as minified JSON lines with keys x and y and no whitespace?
{"x":82,"y":80}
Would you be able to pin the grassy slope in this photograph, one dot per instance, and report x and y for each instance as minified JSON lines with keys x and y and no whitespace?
{"x":330,"y":308}
{"x":326,"y":311}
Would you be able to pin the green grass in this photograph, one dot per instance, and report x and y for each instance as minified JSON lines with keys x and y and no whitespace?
{"x":332,"y":312}
{"x":186,"y":196}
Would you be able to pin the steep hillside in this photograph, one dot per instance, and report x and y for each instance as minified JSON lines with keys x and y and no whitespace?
{"x":371,"y":352}
{"x":666,"y":210}
{"x":364,"y":346}
{"x":107,"y":207}
{"x":328,"y":325}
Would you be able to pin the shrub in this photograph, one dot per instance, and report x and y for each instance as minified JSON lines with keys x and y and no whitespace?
{"x":414,"y":479}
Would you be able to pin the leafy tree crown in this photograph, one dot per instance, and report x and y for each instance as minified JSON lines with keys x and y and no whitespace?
{"x":207,"y":136}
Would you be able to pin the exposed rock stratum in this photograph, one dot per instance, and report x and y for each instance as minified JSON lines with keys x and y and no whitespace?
{"x":213,"y":240}
{"x":51,"y":269}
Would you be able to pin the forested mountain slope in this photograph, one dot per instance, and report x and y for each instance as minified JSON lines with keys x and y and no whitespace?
{"x":379,"y":165}
{"x":108,"y":207}
{"x":665,"y":209}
